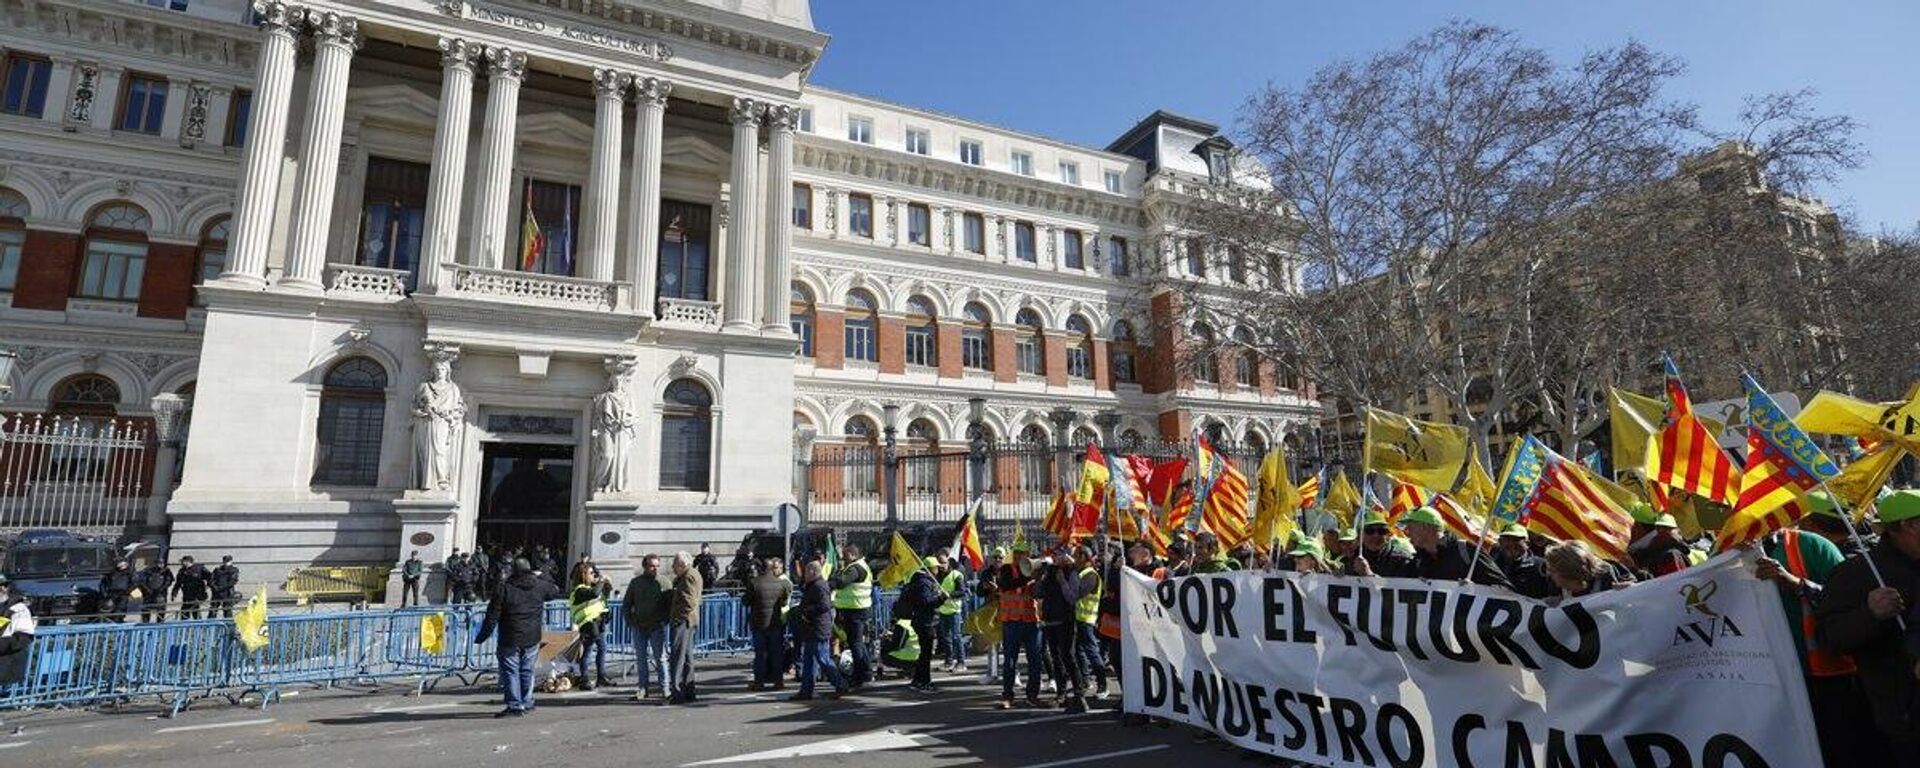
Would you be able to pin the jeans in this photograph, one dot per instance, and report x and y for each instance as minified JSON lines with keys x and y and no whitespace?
{"x":769,"y":654}
{"x":516,"y":676}
{"x":1016,"y":636}
{"x":853,"y":622}
{"x":680,"y":664}
{"x":1065,"y":655}
{"x":1093,"y":662}
{"x":955,"y":642}
{"x":650,"y":655}
{"x":816,"y":653}
{"x":593,"y":642}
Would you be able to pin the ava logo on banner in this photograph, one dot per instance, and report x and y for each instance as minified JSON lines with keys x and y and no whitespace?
{"x":1694,"y":670}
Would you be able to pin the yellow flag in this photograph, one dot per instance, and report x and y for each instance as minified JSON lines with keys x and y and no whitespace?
{"x":250,"y":623}
{"x":1861,"y":481}
{"x":1634,"y":418}
{"x":903,"y":565}
{"x":1273,"y":511}
{"x":1424,"y":453}
{"x":433,"y":633}
{"x":1836,"y":414}
{"x":1343,"y":500}
{"x":1478,"y":491}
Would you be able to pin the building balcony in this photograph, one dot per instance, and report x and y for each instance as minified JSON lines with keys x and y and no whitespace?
{"x":689,"y":313}
{"x":532,"y":288}
{"x":374,"y":283}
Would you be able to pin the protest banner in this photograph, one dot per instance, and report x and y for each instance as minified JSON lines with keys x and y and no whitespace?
{"x":1693,"y":670}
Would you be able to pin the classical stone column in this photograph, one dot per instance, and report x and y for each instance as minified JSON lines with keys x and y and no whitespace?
{"x":782,"y":121}
{"x":486,"y":242}
{"x":602,"y":209}
{"x":334,"y":38}
{"x":746,"y":114}
{"x":643,"y":190}
{"x":266,"y":140}
{"x":448,"y":175}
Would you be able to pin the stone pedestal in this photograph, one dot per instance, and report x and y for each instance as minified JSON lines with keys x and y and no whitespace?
{"x":426,"y":526}
{"x":609,"y":523}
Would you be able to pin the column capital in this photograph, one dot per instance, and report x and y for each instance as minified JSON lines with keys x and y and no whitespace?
{"x":611,"y":83}
{"x":783,"y":118}
{"x":651,"y":90}
{"x":458,"y":53}
{"x":504,"y":62}
{"x":277,"y":17}
{"x":333,"y":28}
{"x":747,"y":113}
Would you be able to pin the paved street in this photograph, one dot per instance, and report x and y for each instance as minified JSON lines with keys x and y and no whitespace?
{"x":454,"y":725}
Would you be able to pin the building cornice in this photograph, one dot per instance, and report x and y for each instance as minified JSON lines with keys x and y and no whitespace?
{"x":849,"y":164}
{"x":134,"y":30}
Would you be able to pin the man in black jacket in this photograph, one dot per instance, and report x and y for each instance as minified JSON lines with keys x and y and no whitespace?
{"x":516,"y":611}
{"x":1060,"y":588}
{"x":767,"y":597}
{"x":191,"y":587}
{"x":154,"y":583}
{"x":921,"y":599}
{"x":816,"y":635}
{"x":115,"y":586}
{"x":1857,"y":616}
{"x":225,"y":584}
{"x":1438,"y":556}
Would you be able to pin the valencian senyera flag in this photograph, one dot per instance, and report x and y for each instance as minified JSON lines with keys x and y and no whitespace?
{"x":1225,"y":505}
{"x":1783,"y":464}
{"x":1684,"y":454}
{"x":1563,"y":499}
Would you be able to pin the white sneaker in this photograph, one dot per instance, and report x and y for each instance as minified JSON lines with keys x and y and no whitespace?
{"x":1052,"y":687}
{"x":960,"y":667}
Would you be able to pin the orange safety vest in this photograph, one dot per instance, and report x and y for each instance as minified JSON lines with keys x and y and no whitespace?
{"x":1109,"y":626}
{"x":1018,"y":605}
{"x":1820,"y":661}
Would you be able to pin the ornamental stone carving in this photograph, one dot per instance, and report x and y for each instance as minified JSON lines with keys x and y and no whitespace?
{"x":86,"y":84}
{"x":651,"y":90}
{"x":611,"y":82}
{"x":506,"y":62}
{"x":277,"y":16}
{"x":438,"y":409}
{"x":456,"y":53}
{"x":612,"y":429}
{"x":194,"y":126}
{"x":746,"y":112}
{"x":330,"y":28}
{"x":782,"y":117}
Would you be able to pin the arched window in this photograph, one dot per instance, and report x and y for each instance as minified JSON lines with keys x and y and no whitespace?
{"x":13,"y":235}
{"x":116,"y":253}
{"x":1205,"y":347}
{"x":921,"y":349}
{"x":213,"y":249}
{"x":1082,"y":436}
{"x":1246,"y":360}
{"x":800,"y":316}
{"x":87,"y":394}
{"x":1131,"y":440}
{"x":1216,"y":435}
{"x":353,"y":411}
{"x":686,"y":437}
{"x":862,"y":455}
{"x":922,"y":473}
{"x":1027,"y":343}
{"x":1121,"y":353}
{"x":1255,"y":444}
{"x":975,"y":351}
{"x":1079,"y":348}
{"x":860,"y":325}
{"x":1034,"y":434}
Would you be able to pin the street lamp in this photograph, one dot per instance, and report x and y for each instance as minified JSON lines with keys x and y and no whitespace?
{"x":977,"y":444}
{"x":1062,"y":418}
{"x":167,"y":409}
{"x":8,"y":358}
{"x":890,"y":455}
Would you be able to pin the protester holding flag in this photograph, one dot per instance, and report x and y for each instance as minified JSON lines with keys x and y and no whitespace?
{"x":1440,"y":556}
{"x":953,"y":583}
{"x":1525,"y":571}
{"x":1381,"y":554}
{"x":1868,"y":611}
{"x":919,"y":603}
{"x":1657,"y":549}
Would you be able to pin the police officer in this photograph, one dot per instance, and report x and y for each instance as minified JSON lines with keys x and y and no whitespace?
{"x":191,"y":587}
{"x":16,"y":634}
{"x":852,"y":585}
{"x":114,"y":588}
{"x":155,"y":583}
{"x":225,"y":584}
{"x":410,"y":579}
{"x":461,"y":575}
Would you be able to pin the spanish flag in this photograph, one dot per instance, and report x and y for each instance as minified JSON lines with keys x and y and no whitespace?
{"x":1783,"y":464}
{"x":1684,"y":455}
{"x":1425,"y":453}
{"x":533,"y":241}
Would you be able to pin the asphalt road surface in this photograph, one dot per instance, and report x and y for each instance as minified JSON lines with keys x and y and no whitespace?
{"x":453,"y":725}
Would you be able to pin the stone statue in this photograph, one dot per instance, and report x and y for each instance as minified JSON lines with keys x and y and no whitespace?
{"x":438,"y":409}
{"x":612,"y":430}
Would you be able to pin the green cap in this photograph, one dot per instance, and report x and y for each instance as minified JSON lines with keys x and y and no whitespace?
{"x":1350,"y":533}
{"x":1642,"y":512}
{"x":1900,"y":505}
{"x":1513,"y":530}
{"x":1665,"y":521}
{"x":1821,"y":503}
{"x":1307,"y":547}
{"x":1422,"y":515}
{"x":931,"y":561}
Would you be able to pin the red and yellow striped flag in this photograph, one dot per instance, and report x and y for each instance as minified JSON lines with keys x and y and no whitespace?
{"x":1178,"y":512}
{"x":1571,"y":504}
{"x":1227,"y":503}
{"x":1407,"y":497}
{"x":1310,"y":491}
{"x":1684,"y":455}
{"x":1783,"y":464}
{"x":1456,"y":517}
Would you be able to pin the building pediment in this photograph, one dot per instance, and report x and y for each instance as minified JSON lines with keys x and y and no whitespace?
{"x":693,"y":153}
{"x":555,"y":129}
{"x":401,"y":105}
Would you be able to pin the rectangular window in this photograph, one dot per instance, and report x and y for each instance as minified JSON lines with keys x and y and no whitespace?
{"x":1070,"y":243}
{"x":1123,"y":365}
{"x":973,"y":349}
{"x":143,"y":104}
{"x":803,"y":206}
{"x":970,"y":152}
{"x":860,"y":344}
{"x":918,"y":141}
{"x":11,"y":242}
{"x":1069,"y":172}
{"x":1026,"y":351}
{"x":1023,"y":242}
{"x":686,"y":250}
{"x":171,"y":5}
{"x":860,"y":129}
{"x":350,"y":429}
{"x":1079,"y":362}
{"x":806,"y":119}
{"x":920,"y":347}
{"x":549,"y":227}
{"x":24,"y":92}
{"x":1114,"y":182}
{"x":1118,"y":264}
{"x":239,"y":118}
{"x":973,"y":229}
{"x":860,"y":214}
{"x":1196,"y":259}
{"x":1237,"y":265}
{"x":393,"y":215}
{"x":112,"y":270}
{"x":1022,"y":163}
{"x":919,"y":224}
{"x":802,"y":326}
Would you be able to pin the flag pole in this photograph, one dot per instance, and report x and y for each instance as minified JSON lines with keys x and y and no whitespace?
{"x":1486,"y":527}
{"x":1854,"y":534}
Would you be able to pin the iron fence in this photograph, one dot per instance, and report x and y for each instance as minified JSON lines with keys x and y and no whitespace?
{"x":82,"y":473}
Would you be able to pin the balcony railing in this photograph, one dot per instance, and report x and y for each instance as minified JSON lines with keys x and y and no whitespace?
{"x":371,"y":282}
{"x":533,"y":288}
{"x":690,"y":313}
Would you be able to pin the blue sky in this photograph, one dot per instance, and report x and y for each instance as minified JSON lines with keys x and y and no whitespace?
{"x":1086,"y":70}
